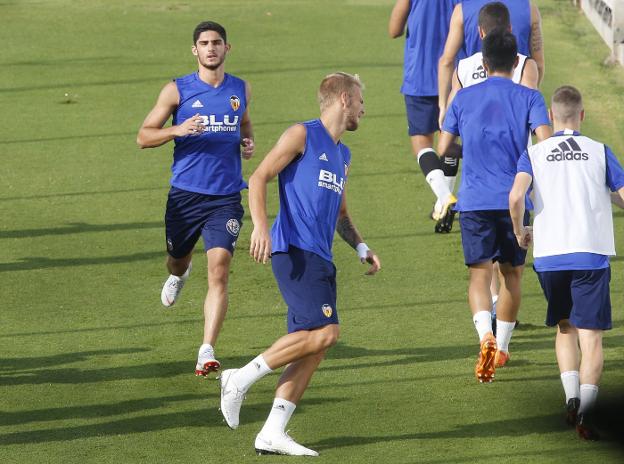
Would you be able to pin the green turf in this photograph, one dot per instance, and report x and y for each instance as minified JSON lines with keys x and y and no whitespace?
{"x":92,"y":369}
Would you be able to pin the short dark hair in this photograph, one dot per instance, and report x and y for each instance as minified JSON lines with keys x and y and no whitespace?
{"x":567,"y":103}
{"x":500,"y":50}
{"x":494,"y":15}
{"x":209,"y":26}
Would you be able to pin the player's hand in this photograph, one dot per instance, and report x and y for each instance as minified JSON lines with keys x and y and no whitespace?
{"x":192,"y":126}
{"x":248,"y":147}
{"x":373,"y":260}
{"x":525,"y":237}
{"x":260,"y":247}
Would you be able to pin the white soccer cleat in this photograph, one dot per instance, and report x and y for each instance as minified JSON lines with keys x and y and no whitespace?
{"x":172,"y":288}
{"x":231,"y":398}
{"x":206,"y":363}
{"x":280,"y":443}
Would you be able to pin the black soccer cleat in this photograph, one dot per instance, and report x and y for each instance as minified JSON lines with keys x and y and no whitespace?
{"x":585,"y":428}
{"x":445,"y":223}
{"x":572,"y":411}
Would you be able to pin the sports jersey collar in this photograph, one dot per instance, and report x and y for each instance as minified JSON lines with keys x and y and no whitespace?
{"x":210,"y":87}
{"x":566,"y":132}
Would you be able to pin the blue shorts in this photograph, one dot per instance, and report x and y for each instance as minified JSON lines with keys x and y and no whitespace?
{"x":581,"y":296}
{"x":489,"y":236}
{"x":422,"y":115}
{"x":308,"y":285}
{"x":217,"y":218}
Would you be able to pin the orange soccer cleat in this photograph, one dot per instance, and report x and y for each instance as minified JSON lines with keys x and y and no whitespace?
{"x":501,"y":358}
{"x":484,"y":370}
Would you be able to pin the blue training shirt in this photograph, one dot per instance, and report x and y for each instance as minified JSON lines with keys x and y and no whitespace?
{"x":427,"y":27}
{"x":519,"y":14}
{"x":310,"y":191}
{"x":493,"y":119}
{"x":577,"y":261}
{"x":210,"y":163}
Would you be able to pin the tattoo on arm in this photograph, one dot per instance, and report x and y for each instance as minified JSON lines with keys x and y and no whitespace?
{"x":348,"y":232}
{"x":536,"y":37}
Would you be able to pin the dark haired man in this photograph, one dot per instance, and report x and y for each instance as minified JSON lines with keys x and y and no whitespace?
{"x":571,"y":246}
{"x":425,"y":24}
{"x":470,"y":71}
{"x":464,"y":39}
{"x":493,"y":119}
{"x":210,"y":124}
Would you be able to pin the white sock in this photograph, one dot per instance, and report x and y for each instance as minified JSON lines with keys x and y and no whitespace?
{"x":450,"y":182}
{"x":589,"y":393}
{"x":494,"y":301}
{"x":279,"y":416}
{"x":571,"y":385}
{"x":503,"y":334}
{"x":205,"y":349}
{"x":188,"y":271}
{"x":437,"y":183}
{"x":249,"y":374}
{"x":483,"y":323}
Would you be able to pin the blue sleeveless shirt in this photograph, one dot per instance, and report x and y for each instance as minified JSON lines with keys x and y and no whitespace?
{"x":427,"y":27}
{"x":310,"y":190}
{"x":210,"y":163}
{"x":519,"y":13}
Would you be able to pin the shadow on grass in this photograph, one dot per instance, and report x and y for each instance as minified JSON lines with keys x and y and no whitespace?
{"x":79,"y":228}
{"x":59,"y":359}
{"x":80,"y":194}
{"x":155,"y":370}
{"x":548,"y":423}
{"x":41,"y":262}
{"x":199,"y":417}
{"x":93,"y":411}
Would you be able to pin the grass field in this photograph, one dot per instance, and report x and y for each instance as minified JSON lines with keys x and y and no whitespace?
{"x":93,"y":369}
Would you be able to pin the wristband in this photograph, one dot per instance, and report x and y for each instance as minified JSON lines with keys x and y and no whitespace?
{"x":362,"y":250}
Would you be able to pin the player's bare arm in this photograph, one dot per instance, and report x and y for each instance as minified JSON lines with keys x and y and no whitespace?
{"x":349,"y":233}
{"x":446,"y":141}
{"x":287,"y":148}
{"x":247,"y":138}
{"x":447,"y":60}
{"x":517,"y":194}
{"x":153,"y":134}
{"x":455,"y":87}
{"x":617,"y":198}
{"x":398,"y":18}
{"x":543,"y":132}
{"x":536,"y":42}
{"x":530,"y":74}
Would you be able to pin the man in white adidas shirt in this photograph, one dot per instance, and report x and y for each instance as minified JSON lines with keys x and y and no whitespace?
{"x":572,"y":245}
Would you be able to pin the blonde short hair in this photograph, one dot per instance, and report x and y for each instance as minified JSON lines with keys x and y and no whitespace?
{"x":567,"y":103}
{"x":333,"y":85}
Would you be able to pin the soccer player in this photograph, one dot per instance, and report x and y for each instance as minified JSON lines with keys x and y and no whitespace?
{"x":464,"y":39}
{"x":312,"y":164}
{"x":493,"y":119}
{"x":427,"y":24}
{"x":469,"y":71}
{"x":211,"y":123}
{"x":572,"y":245}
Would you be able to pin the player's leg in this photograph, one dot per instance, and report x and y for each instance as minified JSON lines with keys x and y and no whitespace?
{"x":556,"y":288}
{"x":220,"y":232}
{"x":511,"y":260}
{"x":273,"y":438}
{"x":494,"y":292}
{"x":422,"y":117}
{"x":478,"y":242}
{"x":312,"y":324}
{"x":591,"y":314}
{"x":183,"y":222}
{"x":507,"y":307}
